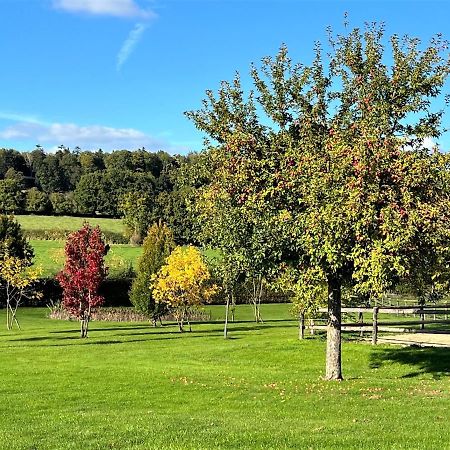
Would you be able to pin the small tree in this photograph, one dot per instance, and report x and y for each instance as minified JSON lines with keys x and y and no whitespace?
{"x":157,"y":247}
{"x":12,"y":240}
{"x":183,"y":283}
{"x":17,"y":281}
{"x":83,"y":272}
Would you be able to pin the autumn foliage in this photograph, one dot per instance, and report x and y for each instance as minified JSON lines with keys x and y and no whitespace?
{"x":183,"y":283}
{"x":83,"y":272}
{"x":17,"y":281}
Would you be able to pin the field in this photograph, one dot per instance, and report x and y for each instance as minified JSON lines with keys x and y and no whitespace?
{"x":31,"y":222}
{"x":131,"y":386}
{"x":49,"y":255}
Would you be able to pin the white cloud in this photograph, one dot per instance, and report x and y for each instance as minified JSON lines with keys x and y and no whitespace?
{"x":130,"y":43}
{"x":89,"y":137}
{"x":116,"y":8}
{"x":429,"y":143}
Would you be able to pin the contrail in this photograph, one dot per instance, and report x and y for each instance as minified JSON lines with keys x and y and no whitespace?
{"x":130,"y":43}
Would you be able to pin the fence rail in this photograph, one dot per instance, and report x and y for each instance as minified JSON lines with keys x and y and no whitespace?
{"x":384,"y":326}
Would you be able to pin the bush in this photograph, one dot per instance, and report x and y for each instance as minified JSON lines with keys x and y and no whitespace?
{"x":122,"y":315}
{"x":157,"y":247}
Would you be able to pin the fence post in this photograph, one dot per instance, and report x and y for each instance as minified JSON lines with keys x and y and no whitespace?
{"x":301,"y":326}
{"x":361,"y":321}
{"x":311,"y":326}
{"x":375,"y":326}
{"x":422,"y":319}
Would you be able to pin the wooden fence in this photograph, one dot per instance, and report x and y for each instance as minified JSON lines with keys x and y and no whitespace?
{"x":423,"y":313}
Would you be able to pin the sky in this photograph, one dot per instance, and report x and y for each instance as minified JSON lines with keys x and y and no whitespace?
{"x":117,"y":74}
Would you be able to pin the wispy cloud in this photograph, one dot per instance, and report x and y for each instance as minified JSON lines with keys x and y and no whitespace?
{"x":116,"y":8}
{"x":87,"y":137}
{"x":4,"y":115}
{"x":130,"y":43}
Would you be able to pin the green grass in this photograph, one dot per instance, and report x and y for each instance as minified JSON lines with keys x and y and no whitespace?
{"x":31,"y":222}
{"x":130,"y":386}
{"x":49,"y":255}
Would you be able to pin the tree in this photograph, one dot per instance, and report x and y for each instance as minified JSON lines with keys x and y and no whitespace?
{"x":100,"y":192}
{"x":16,"y":278}
{"x":183,"y":283}
{"x":12,"y":241}
{"x":17,"y":281}
{"x":137,"y":210}
{"x":156,"y":247}
{"x":12,"y":174}
{"x":245,"y":241}
{"x":63,"y":203}
{"x":11,"y":196}
{"x":83,"y":272}
{"x":173,"y":209}
{"x":93,"y":194}
{"x":71,"y":168}
{"x":11,"y":159}
{"x":37,"y":201}
{"x":91,"y":162}
{"x":49,"y":175}
{"x":227,"y":272}
{"x":338,"y":164}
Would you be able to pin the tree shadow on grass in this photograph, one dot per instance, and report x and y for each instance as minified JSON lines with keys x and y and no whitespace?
{"x":75,"y":340}
{"x":430,"y":360}
{"x":116,"y":328}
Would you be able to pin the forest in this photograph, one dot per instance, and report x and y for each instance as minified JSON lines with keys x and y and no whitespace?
{"x":100,"y":184}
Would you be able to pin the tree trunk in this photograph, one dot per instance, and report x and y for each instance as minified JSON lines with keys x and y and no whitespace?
{"x":8,"y":323}
{"x":301,"y":326}
{"x":180,"y":319}
{"x":257,"y":295}
{"x":333,"y":362}
{"x":82,"y":335}
{"x":227,"y":308}
{"x":233,"y":305}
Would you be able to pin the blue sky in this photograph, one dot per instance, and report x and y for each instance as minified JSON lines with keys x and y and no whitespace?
{"x":116,"y":74}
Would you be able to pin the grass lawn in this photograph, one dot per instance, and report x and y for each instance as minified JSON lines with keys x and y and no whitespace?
{"x":130,"y":386}
{"x":31,"y":222}
{"x":49,"y":255}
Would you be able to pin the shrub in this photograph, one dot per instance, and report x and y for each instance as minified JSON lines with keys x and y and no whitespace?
{"x":156,"y":248}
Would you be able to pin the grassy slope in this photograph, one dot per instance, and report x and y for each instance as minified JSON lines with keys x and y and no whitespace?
{"x":32,"y":222}
{"x":130,"y":386}
{"x":49,"y":255}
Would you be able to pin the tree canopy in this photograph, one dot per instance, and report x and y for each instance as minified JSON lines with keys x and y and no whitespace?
{"x":331,"y":155}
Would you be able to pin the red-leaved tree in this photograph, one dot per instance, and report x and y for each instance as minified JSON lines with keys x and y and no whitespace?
{"x":83,"y":272}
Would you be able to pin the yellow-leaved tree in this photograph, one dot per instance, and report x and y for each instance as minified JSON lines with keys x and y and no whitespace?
{"x":17,"y":280}
{"x":183,"y":283}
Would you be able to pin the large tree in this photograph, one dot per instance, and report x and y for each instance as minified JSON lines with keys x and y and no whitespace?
{"x":333,"y":153}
